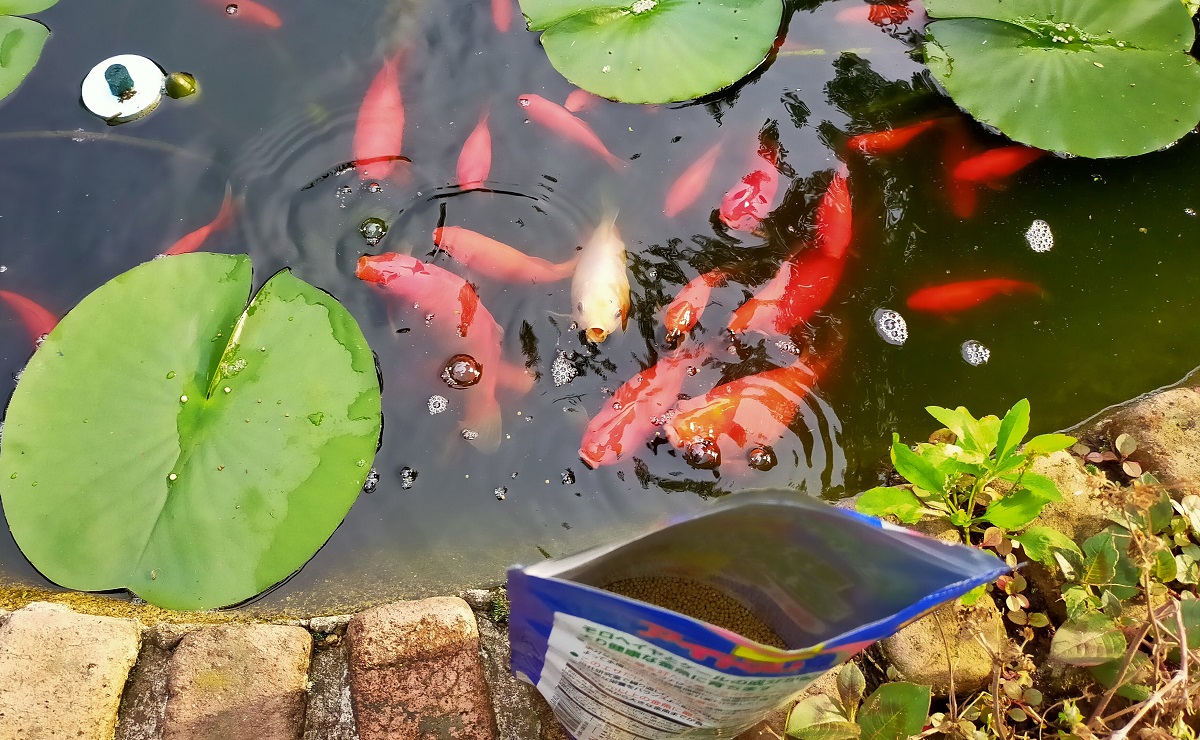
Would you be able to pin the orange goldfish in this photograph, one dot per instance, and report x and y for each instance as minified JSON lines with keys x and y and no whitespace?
{"x":802,"y":286}
{"x":502,"y":15}
{"x":892,"y":140}
{"x":954,"y":297}
{"x":629,"y":418}
{"x":834,"y":218}
{"x":879,"y":14}
{"x":497,"y":259}
{"x":379,"y":131}
{"x":192,"y":241}
{"x":580,"y":100}
{"x":475,"y":160}
{"x":37,"y":320}
{"x":997,"y":163}
{"x":444,"y":294}
{"x":251,"y":11}
{"x":684,"y":312}
{"x":685,"y":190}
{"x":600,"y":289}
{"x":567,"y":126}
{"x":749,"y":202}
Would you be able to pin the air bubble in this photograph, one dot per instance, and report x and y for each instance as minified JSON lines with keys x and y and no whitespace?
{"x":702,"y":454}
{"x":975,"y":353}
{"x":1039,"y":236}
{"x":438,"y":404}
{"x":374,"y":187}
{"x":231,"y":9}
{"x":371,"y":482}
{"x":562,"y":370}
{"x":762,"y":458}
{"x":788,"y":346}
{"x":462,"y":371}
{"x":408,"y":476}
{"x":891,"y":326}
{"x":470,"y":434}
{"x":372,"y":230}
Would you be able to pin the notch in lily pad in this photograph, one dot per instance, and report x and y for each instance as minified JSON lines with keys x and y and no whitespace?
{"x":655,"y":51}
{"x":171,"y":439}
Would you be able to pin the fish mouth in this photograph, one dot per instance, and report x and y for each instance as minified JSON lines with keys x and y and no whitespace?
{"x":596,"y":334}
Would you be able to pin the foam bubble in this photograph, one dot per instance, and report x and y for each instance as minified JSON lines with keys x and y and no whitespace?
{"x":1039,"y":236}
{"x":975,"y":353}
{"x":891,"y":326}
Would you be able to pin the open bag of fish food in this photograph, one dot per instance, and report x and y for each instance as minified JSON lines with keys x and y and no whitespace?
{"x":704,"y":626}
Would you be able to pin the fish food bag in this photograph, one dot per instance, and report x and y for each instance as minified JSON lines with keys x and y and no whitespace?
{"x":704,"y":626}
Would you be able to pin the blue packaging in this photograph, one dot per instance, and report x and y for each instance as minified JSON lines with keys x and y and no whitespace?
{"x":828,"y":581}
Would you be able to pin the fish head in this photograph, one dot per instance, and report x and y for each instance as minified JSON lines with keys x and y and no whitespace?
{"x":381,"y":269}
{"x":602,"y":314}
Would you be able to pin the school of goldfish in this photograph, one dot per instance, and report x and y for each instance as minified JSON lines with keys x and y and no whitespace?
{"x":732,"y":425}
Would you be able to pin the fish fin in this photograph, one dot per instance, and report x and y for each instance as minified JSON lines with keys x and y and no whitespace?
{"x":515,"y":377}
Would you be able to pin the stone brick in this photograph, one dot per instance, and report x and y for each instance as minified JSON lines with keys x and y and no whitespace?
{"x":62,"y":673}
{"x":415,"y":672}
{"x":238,"y":682}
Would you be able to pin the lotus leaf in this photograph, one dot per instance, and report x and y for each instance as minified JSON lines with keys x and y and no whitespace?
{"x":21,"y":42}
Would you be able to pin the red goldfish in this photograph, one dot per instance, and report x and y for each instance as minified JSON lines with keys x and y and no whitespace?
{"x":953,"y":297}
{"x":497,"y":259}
{"x":879,"y":14}
{"x":502,"y":15}
{"x":834,"y":218}
{"x":37,"y":320}
{"x":995,"y":164}
{"x":892,"y":140}
{"x":567,"y":126}
{"x":600,"y":289}
{"x":191,"y":242}
{"x":475,"y":160}
{"x":251,"y":11}
{"x":380,"y":128}
{"x":804,"y":284}
{"x":445,"y":294}
{"x":629,"y":418}
{"x":580,"y":100}
{"x":691,"y":183}
{"x":749,"y":202}
{"x":683,"y":312}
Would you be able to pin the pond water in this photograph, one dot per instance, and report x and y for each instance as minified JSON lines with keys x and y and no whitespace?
{"x":80,"y":203}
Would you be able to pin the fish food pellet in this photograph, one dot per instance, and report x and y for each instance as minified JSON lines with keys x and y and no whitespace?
{"x":698,"y":601}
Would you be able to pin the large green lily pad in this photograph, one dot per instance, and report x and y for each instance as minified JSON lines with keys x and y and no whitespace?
{"x":1094,"y":78}
{"x":24,"y":7}
{"x":655,"y":51}
{"x":169,"y":439}
{"x":21,"y":42}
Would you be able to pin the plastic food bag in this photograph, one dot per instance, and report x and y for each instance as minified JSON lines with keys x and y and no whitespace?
{"x":821,"y":581}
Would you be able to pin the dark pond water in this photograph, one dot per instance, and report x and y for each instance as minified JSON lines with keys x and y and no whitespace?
{"x":80,"y":203}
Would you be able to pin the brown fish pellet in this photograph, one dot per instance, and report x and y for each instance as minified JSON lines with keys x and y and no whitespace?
{"x":699,"y":601}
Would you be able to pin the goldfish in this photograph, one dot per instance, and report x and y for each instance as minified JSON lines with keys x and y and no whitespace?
{"x":497,"y":259}
{"x":629,"y":418}
{"x":192,"y":241}
{"x":802,"y":286}
{"x":688,"y":187}
{"x":834,"y":217}
{"x":684,"y":312}
{"x":475,"y":160}
{"x":252,"y":11}
{"x":580,"y":100}
{"x":444,"y":294}
{"x":600,"y":290}
{"x":746,"y":204}
{"x":379,"y":131}
{"x":567,"y":125}
{"x":956,"y":149}
{"x":892,"y":140}
{"x":954,"y":297}
{"x":37,"y":320}
{"x":879,"y":14}
{"x":502,"y":15}
{"x":997,"y":163}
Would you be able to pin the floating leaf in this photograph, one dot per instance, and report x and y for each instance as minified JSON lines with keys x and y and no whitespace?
{"x":21,"y":42}
{"x":898,"y":502}
{"x":655,"y":51}
{"x":1094,"y":78}
{"x":24,"y":7}
{"x":169,"y":439}
{"x":1040,"y":543}
{"x":1089,"y":640}
{"x":895,"y":710}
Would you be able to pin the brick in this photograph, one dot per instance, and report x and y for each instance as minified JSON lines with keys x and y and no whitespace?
{"x":238,"y":682}
{"x":62,"y":673}
{"x":416,"y":673}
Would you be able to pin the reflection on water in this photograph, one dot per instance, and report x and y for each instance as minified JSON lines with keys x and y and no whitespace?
{"x":80,"y":203}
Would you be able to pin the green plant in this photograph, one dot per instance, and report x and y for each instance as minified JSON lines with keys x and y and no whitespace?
{"x":21,"y":41}
{"x":894,"y":711}
{"x":654,"y":51}
{"x":168,"y":438}
{"x":1093,"y":78}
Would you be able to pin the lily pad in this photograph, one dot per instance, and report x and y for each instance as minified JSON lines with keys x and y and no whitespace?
{"x":169,"y":439}
{"x":655,"y":51}
{"x":24,"y":7}
{"x":21,"y":42}
{"x":1093,"y":78}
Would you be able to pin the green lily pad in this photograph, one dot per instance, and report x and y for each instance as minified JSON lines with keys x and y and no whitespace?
{"x":24,"y":7}
{"x":21,"y":42}
{"x":1093,"y":78}
{"x":655,"y":51}
{"x":169,"y":439}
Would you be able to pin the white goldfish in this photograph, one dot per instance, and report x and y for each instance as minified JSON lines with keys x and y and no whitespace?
{"x":600,"y":289}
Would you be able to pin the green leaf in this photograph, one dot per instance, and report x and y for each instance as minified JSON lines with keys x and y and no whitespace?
{"x":970,"y":597}
{"x":1189,"y":507}
{"x":915,"y":469}
{"x":1016,"y":509}
{"x":1089,"y":640}
{"x":24,"y":7}
{"x":1164,"y":566}
{"x":898,"y":502}
{"x":1087,"y":77}
{"x":21,"y":42}
{"x":1078,"y":601}
{"x":1133,"y":686}
{"x":1158,"y":515}
{"x":971,"y":435}
{"x":654,"y":51}
{"x":1045,"y":444}
{"x":1100,"y":561}
{"x":1126,"y":575}
{"x":896,"y":710}
{"x":851,"y":686}
{"x":112,"y":480}
{"x":818,"y":718}
{"x":1013,"y":429}
{"x":1040,"y":543}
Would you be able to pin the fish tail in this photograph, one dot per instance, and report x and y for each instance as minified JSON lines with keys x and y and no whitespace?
{"x":226,"y":213}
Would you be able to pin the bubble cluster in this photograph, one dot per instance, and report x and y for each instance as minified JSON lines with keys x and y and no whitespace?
{"x":470,"y":434}
{"x":438,"y":404}
{"x":562,"y":370}
{"x":975,"y":353}
{"x":371,"y":482}
{"x":500,"y":492}
{"x":1039,"y":236}
{"x":891,"y":326}
{"x":374,"y":187}
{"x":568,"y":477}
{"x":462,"y":371}
{"x":408,"y":476}
{"x":788,"y":346}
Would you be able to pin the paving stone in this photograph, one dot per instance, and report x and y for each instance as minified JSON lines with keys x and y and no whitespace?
{"x":238,"y":682}
{"x":416,"y":672}
{"x":145,"y":700}
{"x":517,"y":717}
{"x":330,"y":715}
{"x":62,"y":673}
